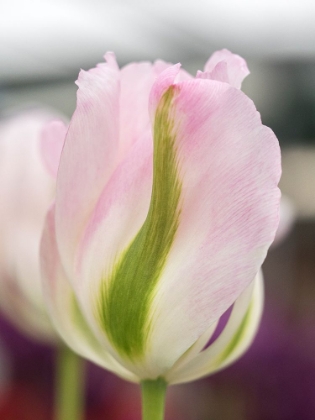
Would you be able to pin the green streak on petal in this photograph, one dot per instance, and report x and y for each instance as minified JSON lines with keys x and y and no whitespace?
{"x":237,"y":338}
{"x":124,"y":306}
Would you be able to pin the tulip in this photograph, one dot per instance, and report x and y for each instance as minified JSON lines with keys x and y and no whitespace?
{"x":27,"y":189}
{"x":30,"y":146}
{"x":166,"y":204}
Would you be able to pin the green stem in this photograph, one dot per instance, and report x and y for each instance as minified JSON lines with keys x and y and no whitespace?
{"x":69,"y":399}
{"x":153,"y":399}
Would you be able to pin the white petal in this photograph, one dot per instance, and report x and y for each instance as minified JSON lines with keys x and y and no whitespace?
{"x":64,"y":309}
{"x":233,"y":341}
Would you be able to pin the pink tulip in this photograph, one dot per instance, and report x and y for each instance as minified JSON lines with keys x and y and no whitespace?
{"x":166,"y":205}
{"x":26,"y":191}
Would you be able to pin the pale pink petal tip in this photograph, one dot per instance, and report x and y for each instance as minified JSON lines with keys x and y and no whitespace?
{"x":110,"y":59}
{"x":227,"y":67}
{"x":51,"y":143}
{"x":162,"y":83}
{"x":201,"y":74}
{"x":99,"y":73}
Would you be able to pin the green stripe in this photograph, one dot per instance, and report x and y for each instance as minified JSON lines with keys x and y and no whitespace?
{"x":126,"y":296}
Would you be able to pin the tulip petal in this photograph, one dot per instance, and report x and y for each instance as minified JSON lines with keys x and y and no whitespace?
{"x":64,"y":308}
{"x":225,"y":67}
{"x":229,"y":167}
{"x":194,"y":350}
{"x":137,"y":80}
{"x":233,"y":341}
{"x":112,"y":114}
{"x":89,"y":155}
{"x":118,"y":217}
{"x":52,"y":140}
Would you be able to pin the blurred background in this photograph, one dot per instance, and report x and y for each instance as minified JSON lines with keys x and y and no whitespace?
{"x":43,"y":45}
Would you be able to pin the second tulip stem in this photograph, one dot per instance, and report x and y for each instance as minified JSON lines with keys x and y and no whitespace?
{"x":69,"y":396}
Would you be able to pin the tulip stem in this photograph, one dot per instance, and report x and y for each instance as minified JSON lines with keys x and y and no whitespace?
{"x":153,"y":399}
{"x":69,"y":398}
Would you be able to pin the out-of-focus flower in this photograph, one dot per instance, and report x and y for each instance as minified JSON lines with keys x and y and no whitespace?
{"x":27,"y":189}
{"x":287,"y":219}
{"x":161,"y":222}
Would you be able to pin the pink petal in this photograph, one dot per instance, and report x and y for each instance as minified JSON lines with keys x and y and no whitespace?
{"x":64,"y":308}
{"x":219,"y":73}
{"x":90,"y":153}
{"x":52,"y":140}
{"x":226,"y":67}
{"x":166,"y":79}
{"x":248,"y":307}
{"x":117,"y":218}
{"x":230,"y":166}
{"x":137,"y":80}
{"x":111,"y":115}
